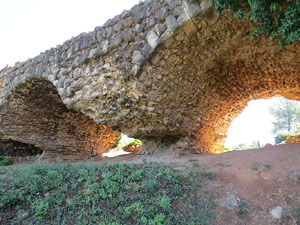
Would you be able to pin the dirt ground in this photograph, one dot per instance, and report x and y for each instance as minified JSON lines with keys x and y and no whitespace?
{"x":248,"y":184}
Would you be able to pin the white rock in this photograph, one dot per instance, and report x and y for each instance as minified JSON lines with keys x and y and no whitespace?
{"x":276,"y":212}
{"x":153,"y":39}
{"x":231,"y":202}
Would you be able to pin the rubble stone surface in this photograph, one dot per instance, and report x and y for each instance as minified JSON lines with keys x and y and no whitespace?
{"x":164,"y":70}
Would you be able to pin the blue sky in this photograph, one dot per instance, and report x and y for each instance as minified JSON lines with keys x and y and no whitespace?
{"x":29,"y":27}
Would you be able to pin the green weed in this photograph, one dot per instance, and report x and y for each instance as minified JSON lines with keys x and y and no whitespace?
{"x":103,"y":194}
{"x":5,"y":161}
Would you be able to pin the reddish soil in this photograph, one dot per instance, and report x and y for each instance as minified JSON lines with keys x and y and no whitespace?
{"x":262,"y":178}
{"x":259,"y":179}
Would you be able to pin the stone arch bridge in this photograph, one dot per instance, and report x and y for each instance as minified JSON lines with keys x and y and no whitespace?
{"x":166,"y":71}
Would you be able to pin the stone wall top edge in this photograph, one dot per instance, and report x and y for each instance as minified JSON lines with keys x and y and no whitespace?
{"x":91,"y":40}
{"x":51,"y":51}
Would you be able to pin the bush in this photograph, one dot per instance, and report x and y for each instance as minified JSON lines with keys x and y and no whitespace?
{"x":277,"y":19}
{"x":227,"y":149}
{"x":5,"y":161}
{"x":281,"y":137}
{"x":124,"y":141}
{"x":135,"y":142}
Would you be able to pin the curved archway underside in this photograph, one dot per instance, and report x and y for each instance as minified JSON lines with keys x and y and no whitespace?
{"x":203,"y":78}
{"x":35,"y":114}
{"x":179,"y":76}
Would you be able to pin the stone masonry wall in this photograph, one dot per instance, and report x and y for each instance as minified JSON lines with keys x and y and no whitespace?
{"x":163,"y":71}
{"x":35,"y":114}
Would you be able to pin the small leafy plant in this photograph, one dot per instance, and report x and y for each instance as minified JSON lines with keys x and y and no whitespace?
{"x":5,"y":161}
{"x":103,"y":194}
{"x":135,"y":142}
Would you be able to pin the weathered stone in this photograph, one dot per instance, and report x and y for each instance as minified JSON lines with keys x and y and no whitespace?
{"x":159,"y":29}
{"x":140,"y":14}
{"x":109,"y":32}
{"x":68,"y":94}
{"x":160,"y":15}
{"x":231,"y":202}
{"x":105,"y":46}
{"x":119,"y":26}
{"x":128,"y":22}
{"x":88,"y":40}
{"x":293,"y":139}
{"x":84,"y":55}
{"x":78,"y":72}
{"x":139,"y":75}
{"x":139,"y":28}
{"x":137,"y":57}
{"x":277,"y":212}
{"x":115,"y":42}
{"x":67,"y":83}
{"x":61,"y":82}
{"x":94,"y":52}
{"x":151,"y":23}
{"x":146,"y":51}
{"x":152,"y":39}
{"x":190,"y":28}
{"x":52,"y":78}
{"x":127,"y":35}
{"x":76,"y":86}
{"x":178,"y":11}
{"x":100,"y":35}
{"x":194,"y":8}
{"x":135,"y":70}
{"x":172,"y":23}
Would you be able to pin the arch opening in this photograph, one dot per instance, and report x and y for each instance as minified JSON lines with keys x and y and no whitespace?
{"x":215,"y":132}
{"x":204,"y":76}
{"x":264,"y":122}
{"x":125,"y":145}
{"x":9,"y":147}
{"x":35,"y":114}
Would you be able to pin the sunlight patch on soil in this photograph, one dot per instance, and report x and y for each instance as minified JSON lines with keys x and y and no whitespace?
{"x":115,"y":152}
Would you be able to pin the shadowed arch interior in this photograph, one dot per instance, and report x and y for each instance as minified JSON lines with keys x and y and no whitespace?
{"x":35,"y":114}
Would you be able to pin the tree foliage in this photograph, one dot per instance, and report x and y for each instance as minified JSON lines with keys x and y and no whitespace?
{"x":277,"y":19}
{"x":286,"y":115}
{"x":281,"y":137}
{"x":242,"y":146}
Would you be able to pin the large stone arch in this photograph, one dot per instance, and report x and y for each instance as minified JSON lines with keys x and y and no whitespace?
{"x":34,"y":113}
{"x":203,"y":77}
{"x":162,"y":71}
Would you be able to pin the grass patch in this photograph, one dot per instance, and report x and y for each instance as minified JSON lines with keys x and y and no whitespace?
{"x":193,"y":160}
{"x":5,"y":161}
{"x":103,"y":194}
